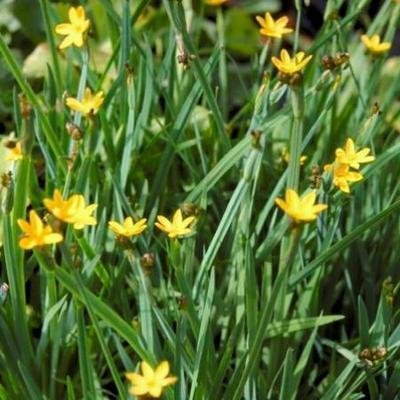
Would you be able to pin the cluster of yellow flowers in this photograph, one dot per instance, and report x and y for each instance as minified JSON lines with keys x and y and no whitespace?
{"x":75,"y":33}
{"x":74,"y":211}
{"x":346,"y":159}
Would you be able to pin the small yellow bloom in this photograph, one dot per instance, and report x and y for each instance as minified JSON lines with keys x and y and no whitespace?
{"x":272,"y":28}
{"x":177,"y":227}
{"x":75,"y":30}
{"x":374,"y":45}
{"x":73,"y":210}
{"x":351,"y":157}
{"x":301,"y":209}
{"x":286,"y":156}
{"x":215,"y":2}
{"x":128,"y":228}
{"x":15,"y":153}
{"x":342,"y":176}
{"x":36,"y":233}
{"x":152,"y":381}
{"x":290,"y":66}
{"x":89,"y":105}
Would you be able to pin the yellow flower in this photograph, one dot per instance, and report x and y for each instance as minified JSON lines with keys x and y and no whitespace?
{"x":290,"y":66}
{"x":351,"y":157}
{"x":152,"y":381}
{"x":215,"y":2}
{"x":272,"y":28}
{"x":75,"y":30}
{"x":73,"y":210}
{"x":286,"y":156}
{"x":128,"y":228}
{"x":36,"y":233}
{"x":89,"y":105}
{"x":15,"y":153}
{"x":301,"y":209}
{"x":177,"y":227}
{"x":374,"y":44}
{"x":342,"y":176}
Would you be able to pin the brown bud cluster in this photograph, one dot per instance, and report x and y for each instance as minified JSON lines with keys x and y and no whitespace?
{"x":332,"y":63}
{"x":373,"y":355}
{"x":316,"y":177}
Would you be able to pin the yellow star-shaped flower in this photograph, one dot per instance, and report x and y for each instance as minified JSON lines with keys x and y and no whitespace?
{"x":72,"y":211}
{"x":288,"y":65}
{"x":272,"y":28}
{"x":75,"y":30}
{"x":348,"y":155}
{"x":128,"y":228}
{"x":177,"y":227}
{"x":342,"y":176}
{"x":151,"y":382}
{"x":374,"y":45}
{"x":301,"y":209}
{"x":36,"y":234}
{"x":89,"y":105}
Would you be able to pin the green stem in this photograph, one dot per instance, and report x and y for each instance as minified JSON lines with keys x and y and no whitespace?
{"x":296,"y":139}
{"x":223,"y":70}
{"x":44,"y":6}
{"x":264,"y":54}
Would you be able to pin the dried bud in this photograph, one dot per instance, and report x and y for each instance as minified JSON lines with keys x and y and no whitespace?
{"x":182,"y":303}
{"x":341,"y":58}
{"x":73,"y":131}
{"x":256,"y":136}
{"x":316,"y":177}
{"x":376,"y":109}
{"x":365,"y":354}
{"x":328,"y":62}
{"x":7,"y":183}
{"x":25,"y":106}
{"x":147,"y":261}
{"x":6,"y":180}
{"x":380,"y":352}
{"x":189,"y":209}
{"x":292,"y":80}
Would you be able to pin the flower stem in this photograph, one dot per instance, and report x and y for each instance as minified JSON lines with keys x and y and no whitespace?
{"x":223,"y":72}
{"x":296,"y":139}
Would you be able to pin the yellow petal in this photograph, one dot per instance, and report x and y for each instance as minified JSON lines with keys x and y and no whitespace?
{"x":282,"y":204}
{"x":260,"y":20}
{"x":64,"y":29}
{"x":162,"y":370}
{"x":177,"y":218}
{"x":309,"y":199}
{"x":147,"y":371}
{"x":27,"y":243}
{"x":155,"y":391}
{"x":68,"y":41}
{"x":53,"y":238}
